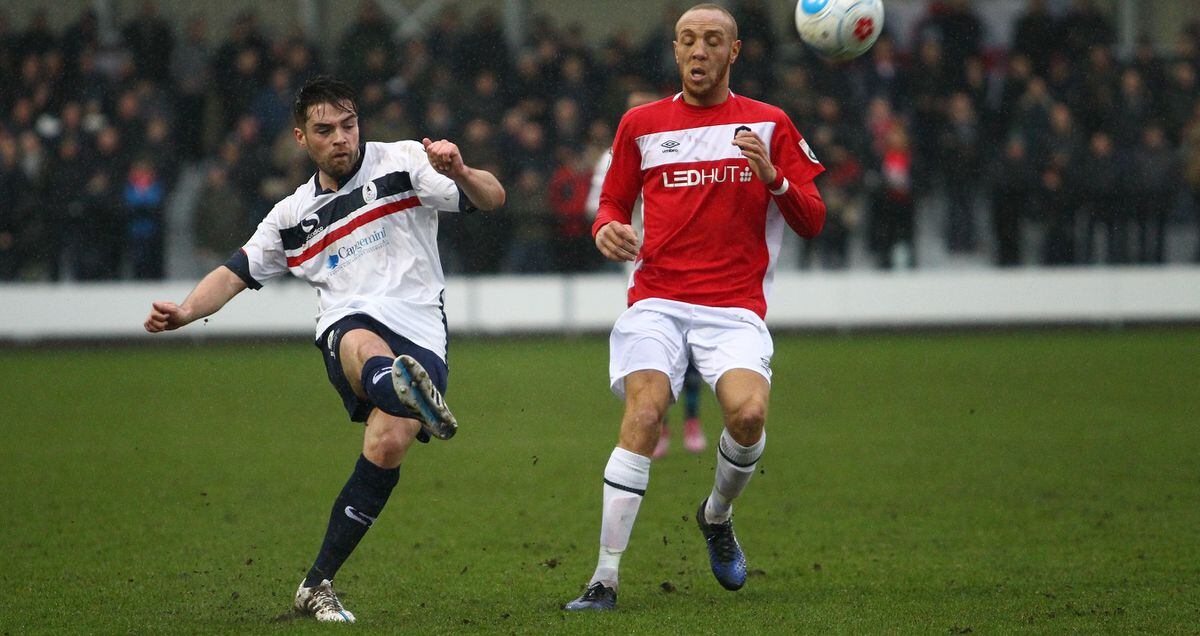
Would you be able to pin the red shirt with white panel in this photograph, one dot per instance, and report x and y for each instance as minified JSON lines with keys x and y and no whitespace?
{"x":712,"y":229}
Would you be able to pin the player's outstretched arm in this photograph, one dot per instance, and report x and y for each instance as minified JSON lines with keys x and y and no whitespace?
{"x":481,"y":186}
{"x":211,"y":294}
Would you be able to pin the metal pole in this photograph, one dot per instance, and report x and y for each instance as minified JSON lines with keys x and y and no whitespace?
{"x":106,"y":21}
{"x":516,"y":17}
{"x":309,"y":12}
{"x":1127,"y":27}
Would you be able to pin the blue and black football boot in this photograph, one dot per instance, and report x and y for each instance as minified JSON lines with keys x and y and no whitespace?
{"x":724,"y":554}
{"x":596,"y":597}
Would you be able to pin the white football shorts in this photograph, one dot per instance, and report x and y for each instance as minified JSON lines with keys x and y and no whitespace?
{"x":662,"y":334}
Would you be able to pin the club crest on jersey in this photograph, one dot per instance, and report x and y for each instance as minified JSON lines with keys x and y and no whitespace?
{"x":808,"y":151}
{"x":697,"y":177}
{"x":369,"y":192}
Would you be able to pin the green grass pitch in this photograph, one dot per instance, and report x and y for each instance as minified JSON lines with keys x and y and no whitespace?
{"x":1045,"y":482}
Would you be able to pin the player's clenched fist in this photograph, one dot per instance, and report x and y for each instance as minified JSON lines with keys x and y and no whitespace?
{"x":165,"y":316}
{"x":444,"y":157}
{"x":618,"y":241}
{"x":755,"y":151}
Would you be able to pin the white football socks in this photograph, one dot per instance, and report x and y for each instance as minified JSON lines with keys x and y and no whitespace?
{"x":625,"y":480}
{"x":735,"y":467}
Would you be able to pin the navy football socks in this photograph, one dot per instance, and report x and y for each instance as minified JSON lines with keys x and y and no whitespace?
{"x":355,"y":509}
{"x":377,"y":384}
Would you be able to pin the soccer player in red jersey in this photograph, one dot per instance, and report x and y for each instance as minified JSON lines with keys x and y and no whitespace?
{"x":720,"y":175}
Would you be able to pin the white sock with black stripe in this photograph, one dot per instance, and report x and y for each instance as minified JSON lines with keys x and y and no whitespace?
{"x":625,"y":480}
{"x":735,"y":467}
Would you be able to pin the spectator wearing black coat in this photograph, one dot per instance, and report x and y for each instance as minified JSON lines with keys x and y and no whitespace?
{"x":1013,"y":180}
{"x":1101,"y":179}
{"x":150,"y":41}
{"x":1036,"y":35}
{"x":959,"y":146}
{"x":1155,"y":179}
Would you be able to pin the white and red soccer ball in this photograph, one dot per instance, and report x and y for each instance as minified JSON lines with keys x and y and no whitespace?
{"x":839,"y":29}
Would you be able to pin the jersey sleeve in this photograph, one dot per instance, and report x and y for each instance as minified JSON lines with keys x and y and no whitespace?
{"x":434,"y":189}
{"x":796,"y":166}
{"x":598,"y":173}
{"x":623,"y":181}
{"x":262,"y":257}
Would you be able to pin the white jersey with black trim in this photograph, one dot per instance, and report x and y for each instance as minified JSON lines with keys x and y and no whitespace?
{"x":370,"y":247}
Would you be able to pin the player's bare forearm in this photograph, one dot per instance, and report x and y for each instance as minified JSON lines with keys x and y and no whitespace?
{"x":209,"y":296}
{"x":213,"y":291}
{"x":481,"y":187}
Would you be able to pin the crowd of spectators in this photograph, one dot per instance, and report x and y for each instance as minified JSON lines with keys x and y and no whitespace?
{"x":1052,"y":132}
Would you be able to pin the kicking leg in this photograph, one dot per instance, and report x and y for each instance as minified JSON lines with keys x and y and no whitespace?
{"x":397,"y":386}
{"x":647,"y":396}
{"x":743,"y":396}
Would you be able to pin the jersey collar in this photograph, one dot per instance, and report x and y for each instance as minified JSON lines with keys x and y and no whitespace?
{"x":362,"y":154}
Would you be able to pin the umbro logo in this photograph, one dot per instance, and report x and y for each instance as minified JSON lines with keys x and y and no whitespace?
{"x":670,"y":145}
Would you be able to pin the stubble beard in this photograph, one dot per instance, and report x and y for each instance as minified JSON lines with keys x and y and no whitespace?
{"x":703,"y":92}
{"x":330,"y":168}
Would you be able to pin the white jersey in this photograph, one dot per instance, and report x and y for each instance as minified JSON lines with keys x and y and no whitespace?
{"x":370,"y":247}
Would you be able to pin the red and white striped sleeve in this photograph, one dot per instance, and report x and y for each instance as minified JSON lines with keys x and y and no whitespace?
{"x":623,"y":182}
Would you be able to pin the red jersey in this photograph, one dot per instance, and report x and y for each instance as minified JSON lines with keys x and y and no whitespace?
{"x":712,"y":229}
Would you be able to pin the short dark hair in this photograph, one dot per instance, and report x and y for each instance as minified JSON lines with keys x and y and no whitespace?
{"x":323,"y":89}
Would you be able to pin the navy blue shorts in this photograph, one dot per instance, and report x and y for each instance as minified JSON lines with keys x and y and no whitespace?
{"x":330,"y":342}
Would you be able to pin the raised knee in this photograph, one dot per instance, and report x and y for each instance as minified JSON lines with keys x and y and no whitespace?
{"x":746,"y":423}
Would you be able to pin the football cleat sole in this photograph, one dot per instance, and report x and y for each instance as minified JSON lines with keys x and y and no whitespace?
{"x":417,"y":392}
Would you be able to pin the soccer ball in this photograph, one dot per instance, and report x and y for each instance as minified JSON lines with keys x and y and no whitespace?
{"x":839,"y":29}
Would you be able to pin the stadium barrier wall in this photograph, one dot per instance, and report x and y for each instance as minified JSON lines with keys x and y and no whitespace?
{"x":497,"y":305}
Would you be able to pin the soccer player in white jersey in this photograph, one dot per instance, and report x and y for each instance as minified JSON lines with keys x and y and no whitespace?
{"x":363,"y":232}
{"x":720,"y":176}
